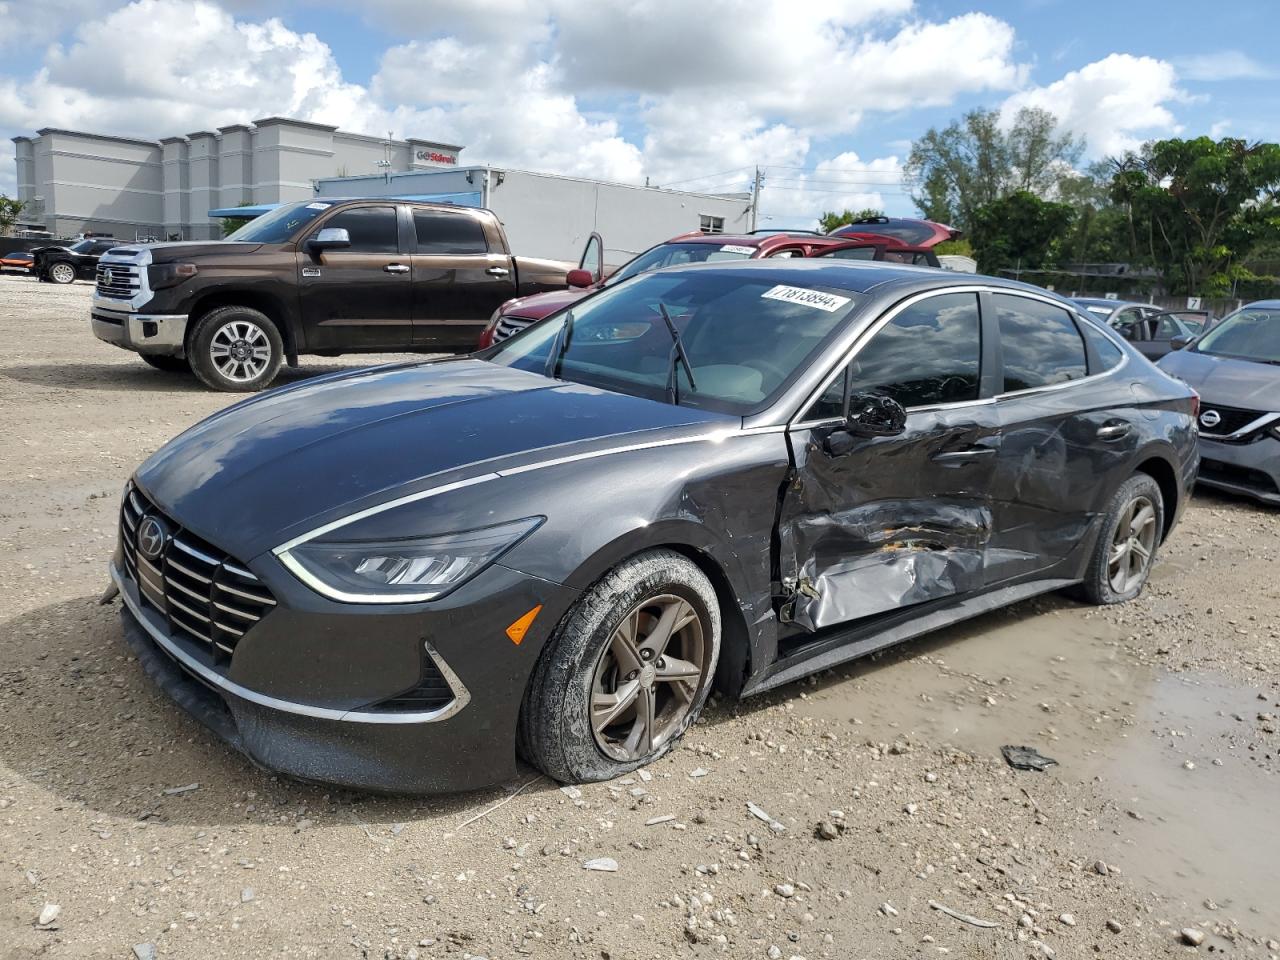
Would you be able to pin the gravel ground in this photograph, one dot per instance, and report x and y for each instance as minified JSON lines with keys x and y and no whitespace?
{"x":133,"y":832}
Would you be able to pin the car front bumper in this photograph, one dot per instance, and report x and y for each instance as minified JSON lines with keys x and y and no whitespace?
{"x":155,"y":333}
{"x":1251,"y":469}
{"x":329,"y":738}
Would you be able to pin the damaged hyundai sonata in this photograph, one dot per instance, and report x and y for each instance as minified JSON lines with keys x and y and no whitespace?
{"x":725,"y":476}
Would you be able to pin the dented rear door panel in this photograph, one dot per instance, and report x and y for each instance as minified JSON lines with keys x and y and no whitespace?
{"x":895,"y":522}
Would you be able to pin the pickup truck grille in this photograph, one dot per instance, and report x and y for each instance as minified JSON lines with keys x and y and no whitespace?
{"x":510,"y":326}
{"x":207,"y":597}
{"x":117,"y":281}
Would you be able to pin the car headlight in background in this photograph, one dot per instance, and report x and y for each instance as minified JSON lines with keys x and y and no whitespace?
{"x":401,"y":571}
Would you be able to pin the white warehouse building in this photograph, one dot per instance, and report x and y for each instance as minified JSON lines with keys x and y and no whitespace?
{"x":551,"y":216}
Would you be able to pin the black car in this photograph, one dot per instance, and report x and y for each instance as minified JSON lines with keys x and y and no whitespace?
{"x":727,"y":475}
{"x":66,"y":264}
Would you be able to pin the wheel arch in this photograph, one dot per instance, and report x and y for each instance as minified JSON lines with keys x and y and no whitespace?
{"x":273,"y":306}
{"x":1160,"y":469}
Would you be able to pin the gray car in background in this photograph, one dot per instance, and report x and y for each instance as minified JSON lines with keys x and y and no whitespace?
{"x":1235,"y":368}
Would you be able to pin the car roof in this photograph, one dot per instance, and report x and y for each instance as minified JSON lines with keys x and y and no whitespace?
{"x":1113,"y":304}
{"x":1265,"y":304}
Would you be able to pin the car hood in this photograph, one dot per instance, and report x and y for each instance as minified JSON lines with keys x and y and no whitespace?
{"x":280,"y":464}
{"x":185,"y":250}
{"x":542,"y":305}
{"x":1226,"y":381}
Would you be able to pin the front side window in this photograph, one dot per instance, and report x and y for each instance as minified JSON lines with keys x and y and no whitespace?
{"x":442,"y":232}
{"x":592,"y":256}
{"x":372,"y":229}
{"x":930,"y":353}
{"x":1249,"y":334}
{"x":746,"y":337}
{"x":1042,"y":344}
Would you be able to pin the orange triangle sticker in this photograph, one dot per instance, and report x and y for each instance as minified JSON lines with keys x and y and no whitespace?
{"x":518,"y":629}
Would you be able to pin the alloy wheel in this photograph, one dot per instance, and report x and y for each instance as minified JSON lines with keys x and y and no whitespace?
{"x":648,"y":678}
{"x":1132,"y":546}
{"x":240,"y":351}
{"x":63,"y":272}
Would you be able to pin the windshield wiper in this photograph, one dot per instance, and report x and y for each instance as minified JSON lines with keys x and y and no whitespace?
{"x":559,"y":347}
{"x":677,"y":355}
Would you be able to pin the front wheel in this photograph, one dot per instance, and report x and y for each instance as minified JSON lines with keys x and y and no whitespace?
{"x":626,"y":673}
{"x":62,"y":272}
{"x":1126,"y":548}
{"x":237,"y":349}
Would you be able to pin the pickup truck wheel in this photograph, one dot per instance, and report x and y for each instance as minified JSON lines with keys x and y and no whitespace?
{"x":167,"y":364}
{"x":62,"y":272}
{"x":236,"y":349}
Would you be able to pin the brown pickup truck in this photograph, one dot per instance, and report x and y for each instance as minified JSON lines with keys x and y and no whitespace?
{"x":322,"y":277}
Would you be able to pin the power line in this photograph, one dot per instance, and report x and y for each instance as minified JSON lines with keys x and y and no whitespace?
{"x":705,"y":176}
{"x":861,"y":170}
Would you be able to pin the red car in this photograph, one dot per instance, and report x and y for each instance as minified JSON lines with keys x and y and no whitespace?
{"x":902,"y":230}
{"x":515,"y":315}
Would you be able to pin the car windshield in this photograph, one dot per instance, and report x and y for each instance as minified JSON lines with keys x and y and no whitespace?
{"x":674,"y":254}
{"x":746,"y":338}
{"x":281,"y":223}
{"x":1249,"y":334}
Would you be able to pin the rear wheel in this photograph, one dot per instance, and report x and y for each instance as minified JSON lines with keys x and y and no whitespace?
{"x":1126,"y":548}
{"x":626,"y":673}
{"x":167,"y":364}
{"x":62,"y":272}
{"x":236,"y":349}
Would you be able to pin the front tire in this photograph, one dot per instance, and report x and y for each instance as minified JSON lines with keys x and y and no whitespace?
{"x":236,"y":349}
{"x":62,"y":272}
{"x":626,"y":673}
{"x":1126,"y":547}
{"x":167,"y":364}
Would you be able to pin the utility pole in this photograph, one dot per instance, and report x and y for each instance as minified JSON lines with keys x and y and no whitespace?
{"x":755,"y":197}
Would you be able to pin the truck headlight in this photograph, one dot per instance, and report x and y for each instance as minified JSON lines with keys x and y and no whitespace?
{"x":162,"y":275}
{"x":401,"y":571}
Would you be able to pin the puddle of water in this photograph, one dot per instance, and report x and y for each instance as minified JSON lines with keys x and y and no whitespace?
{"x":1061,"y":682}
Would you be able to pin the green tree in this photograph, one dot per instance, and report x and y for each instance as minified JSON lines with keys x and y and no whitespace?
{"x":10,"y":210}
{"x":974,"y":161}
{"x":830,"y":220}
{"x":1018,"y":232}
{"x":231,"y":224}
{"x":1196,"y":208}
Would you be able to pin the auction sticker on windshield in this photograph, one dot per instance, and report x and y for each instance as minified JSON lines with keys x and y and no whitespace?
{"x":809,"y":298}
{"x":737,"y":248}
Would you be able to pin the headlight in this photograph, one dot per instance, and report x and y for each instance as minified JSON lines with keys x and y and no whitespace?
{"x":401,"y":571}
{"x":162,"y":275}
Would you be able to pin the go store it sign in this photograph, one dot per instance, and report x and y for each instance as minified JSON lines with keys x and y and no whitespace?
{"x":435,"y":157}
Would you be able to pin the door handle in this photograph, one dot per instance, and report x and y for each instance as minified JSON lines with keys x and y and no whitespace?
{"x":395,"y":268}
{"x":1113,"y":431}
{"x":497,"y":271}
{"x":963,"y":456}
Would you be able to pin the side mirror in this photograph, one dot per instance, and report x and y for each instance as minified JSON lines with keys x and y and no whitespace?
{"x":330,"y":238}
{"x":1181,"y":341}
{"x":870,"y":415}
{"x":579,"y":278}
{"x":1126,"y":329}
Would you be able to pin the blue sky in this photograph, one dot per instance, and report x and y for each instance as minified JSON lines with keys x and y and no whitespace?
{"x":826,"y":97}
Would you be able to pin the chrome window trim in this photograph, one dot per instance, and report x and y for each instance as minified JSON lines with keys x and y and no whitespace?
{"x":461,"y":696}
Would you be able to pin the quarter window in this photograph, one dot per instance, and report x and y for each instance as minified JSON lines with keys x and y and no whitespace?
{"x":1042,"y":345}
{"x":1109,"y":355}
{"x":372,"y":229}
{"x":929,"y":353}
{"x":448,"y":233}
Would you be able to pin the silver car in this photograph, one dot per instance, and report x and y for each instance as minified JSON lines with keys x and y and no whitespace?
{"x":1235,"y":368}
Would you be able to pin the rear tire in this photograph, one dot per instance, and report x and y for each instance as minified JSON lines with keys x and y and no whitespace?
{"x":567,"y":727}
{"x":236,"y":349}
{"x":62,"y":272}
{"x":167,"y":364}
{"x":1127,"y":543}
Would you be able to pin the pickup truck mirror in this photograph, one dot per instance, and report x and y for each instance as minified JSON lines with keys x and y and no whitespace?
{"x":1181,"y":341}
{"x":330,"y":238}
{"x":578,"y":278}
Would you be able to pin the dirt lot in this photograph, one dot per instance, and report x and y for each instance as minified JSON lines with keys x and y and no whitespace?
{"x":1160,"y":817}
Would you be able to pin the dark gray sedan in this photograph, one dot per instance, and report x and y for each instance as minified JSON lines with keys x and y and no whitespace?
{"x":1235,"y":368}
{"x":716,"y":476}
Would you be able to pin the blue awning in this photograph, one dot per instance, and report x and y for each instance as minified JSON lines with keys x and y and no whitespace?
{"x":256,"y":210}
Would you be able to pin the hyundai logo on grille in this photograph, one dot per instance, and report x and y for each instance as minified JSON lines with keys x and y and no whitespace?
{"x":151,"y":538}
{"x":1210,"y":419}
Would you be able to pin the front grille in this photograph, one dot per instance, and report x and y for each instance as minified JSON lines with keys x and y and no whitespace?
{"x":510,"y":326}
{"x":117,"y":281}
{"x":205,"y":595}
{"x":1237,"y":476}
{"x":1233,"y":419}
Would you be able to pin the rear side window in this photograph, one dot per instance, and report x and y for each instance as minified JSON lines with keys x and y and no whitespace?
{"x":1109,"y":355}
{"x":930,"y":353}
{"x":372,"y":229}
{"x":852,"y":253}
{"x":1041,"y":343}
{"x":445,"y":233}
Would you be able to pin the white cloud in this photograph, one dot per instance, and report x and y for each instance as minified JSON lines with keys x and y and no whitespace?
{"x":795,"y":198}
{"x":8,"y":169}
{"x":1116,"y":103}
{"x":1223,"y":65}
